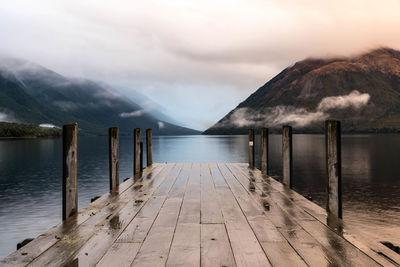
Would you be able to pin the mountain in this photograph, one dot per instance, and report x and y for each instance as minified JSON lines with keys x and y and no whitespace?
{"x":30,"y":93}
{"x":363,"y":92}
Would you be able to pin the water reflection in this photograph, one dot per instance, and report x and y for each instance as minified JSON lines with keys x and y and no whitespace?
{"x":30,"y":176}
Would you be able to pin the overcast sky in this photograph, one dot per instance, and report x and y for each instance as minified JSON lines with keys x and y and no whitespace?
{"x":198,"y":59}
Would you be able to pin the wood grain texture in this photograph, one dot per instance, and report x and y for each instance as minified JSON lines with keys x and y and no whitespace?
{"x":136,"y":152}
{"x":334,"y":167}
{"x":70,"y":170}
{"x":264,"y":150}
{"x":149,"y":147}
{"x":215,"y":246}
{"x":113,"y":141}
{"x":199,"y":214}
{"x":287,"y":158}
{"x":120,"y":254}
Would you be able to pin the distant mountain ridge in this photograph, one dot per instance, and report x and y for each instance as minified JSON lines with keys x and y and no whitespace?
{"x":363,"y":92}
{"x":30,"y":93}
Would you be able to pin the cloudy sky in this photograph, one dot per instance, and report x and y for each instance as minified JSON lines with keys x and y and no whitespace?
{"x":198,"y":59}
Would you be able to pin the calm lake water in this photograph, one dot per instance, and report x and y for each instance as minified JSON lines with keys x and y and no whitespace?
{"x":30,"y":176}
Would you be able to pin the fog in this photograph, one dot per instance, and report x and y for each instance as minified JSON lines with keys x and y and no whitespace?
{"x":297,"y":117}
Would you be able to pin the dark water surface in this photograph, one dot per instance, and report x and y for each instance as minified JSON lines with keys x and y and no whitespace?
{"x":30,"y":176}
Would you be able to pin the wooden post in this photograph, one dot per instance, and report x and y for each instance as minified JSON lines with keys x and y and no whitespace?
{"x":264,"y":150}
{"x":334,"y":167}
{"x":251,"y":148}
{"x":149,"y":147}
{"x":136,"y":152}
{"x":287,"y":155}
{"x":70,"y":170}
{"x":113,"y":141}
{"x":141,"y":157}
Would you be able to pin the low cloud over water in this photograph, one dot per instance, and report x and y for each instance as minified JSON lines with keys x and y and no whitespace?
{"x":298,"y":117}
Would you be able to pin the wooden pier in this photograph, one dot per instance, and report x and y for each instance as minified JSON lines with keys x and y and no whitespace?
{"x":199,"y":214}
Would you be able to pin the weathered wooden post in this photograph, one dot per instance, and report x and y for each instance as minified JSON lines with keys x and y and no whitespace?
{"x":251,"y":148}
{"x":149,"y":147}
{"x":136,"y":152}
{"x":334,"y":167}
{"x":70,"y":170}
{"x":287,"y":155}
{"x":264,"y":150}
{"x":141,"y":157}
{"x":113,"y":141}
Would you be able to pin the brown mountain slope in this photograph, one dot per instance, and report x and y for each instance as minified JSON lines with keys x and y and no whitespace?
{"x":363,"y":92}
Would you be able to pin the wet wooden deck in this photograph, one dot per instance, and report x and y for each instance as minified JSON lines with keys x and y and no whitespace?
{"x":204,"y":214}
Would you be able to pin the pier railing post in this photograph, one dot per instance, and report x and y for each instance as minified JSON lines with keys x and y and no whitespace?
{"x":251,"y":148}
{"x":113,"y":141}
{"x":334,"y":167}
{"x":287,"y":156}
{"x":136,"y":152}
{"x":264,"y":150}
{"x":149,"y":147}
{"x":70,"y":170}
{"x":141,"y":158}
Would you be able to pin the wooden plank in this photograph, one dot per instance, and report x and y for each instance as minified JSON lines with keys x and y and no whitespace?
{"x":210,"y":209}
{"x":281,"y":254}
{"x":272,"y":240}
{"x":328,"y":241}
{"x":64,"y":251}
{"x":94,"y":211}
{"x":120,"y":254}
{"x":156,"y":246}
{"x":215,"y":247}
{"x":246,"y":249}
{"x":185,"y":248}
{"x":372,"y":248}
{"x":217,"y":177}
{"x":92,"y":251}
{"x":312,"y":252}
{"x":138,"y":229}
{"x":190,"y":211}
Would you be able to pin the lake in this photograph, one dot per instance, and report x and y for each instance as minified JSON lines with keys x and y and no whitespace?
{"x":30,"y":176}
